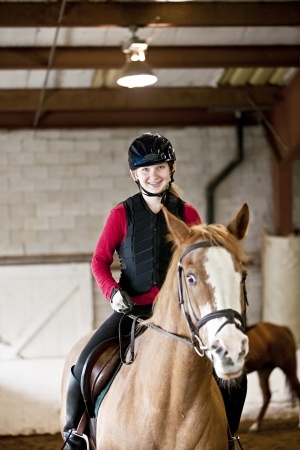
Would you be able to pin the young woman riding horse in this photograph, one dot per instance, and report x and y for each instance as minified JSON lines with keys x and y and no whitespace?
{"x":137,"y":230}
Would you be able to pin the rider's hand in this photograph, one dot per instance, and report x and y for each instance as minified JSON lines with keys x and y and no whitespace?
{"x":120,"y":301}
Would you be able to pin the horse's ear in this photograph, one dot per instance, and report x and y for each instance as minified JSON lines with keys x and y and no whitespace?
{"x":178,"y":229}
{"x":239,"y":225}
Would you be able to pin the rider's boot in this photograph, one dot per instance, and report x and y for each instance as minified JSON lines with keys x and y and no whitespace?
{"x":75,"y":409}
{"x":234,"y":398}
{"x":231,"y":445}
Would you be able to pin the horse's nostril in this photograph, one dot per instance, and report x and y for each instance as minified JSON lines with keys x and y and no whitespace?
{"x":245,"y":345}
{"x":216,"y":346}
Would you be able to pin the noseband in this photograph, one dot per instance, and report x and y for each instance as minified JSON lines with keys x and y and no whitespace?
{"x":229,"y":314}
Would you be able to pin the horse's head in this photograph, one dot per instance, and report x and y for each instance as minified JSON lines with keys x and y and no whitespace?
{"x":209,"y":272}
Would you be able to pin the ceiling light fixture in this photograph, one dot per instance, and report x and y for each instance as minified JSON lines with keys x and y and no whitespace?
{"x":136,"y":72}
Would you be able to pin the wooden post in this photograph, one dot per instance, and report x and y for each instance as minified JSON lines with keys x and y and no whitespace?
{"x":284,"y":118}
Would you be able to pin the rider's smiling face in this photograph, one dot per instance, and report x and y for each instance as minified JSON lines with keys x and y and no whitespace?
{"x":154,"y":178}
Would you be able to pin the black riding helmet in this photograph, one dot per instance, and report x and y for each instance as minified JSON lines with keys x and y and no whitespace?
{"x":150,"y":149}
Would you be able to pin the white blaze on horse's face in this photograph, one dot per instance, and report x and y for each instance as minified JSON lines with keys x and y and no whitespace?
{"x":229,"y":346}
{"x":223,"y":278}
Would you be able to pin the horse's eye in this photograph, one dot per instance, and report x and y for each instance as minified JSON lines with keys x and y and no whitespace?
{"x":191,"y":279}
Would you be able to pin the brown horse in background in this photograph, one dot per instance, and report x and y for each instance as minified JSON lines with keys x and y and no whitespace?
{"x":272,"y":346}
{"x":168,"y":398}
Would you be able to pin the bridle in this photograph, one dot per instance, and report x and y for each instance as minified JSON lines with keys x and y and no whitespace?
{"x":194,"y":340}
{"x":229,"y":314}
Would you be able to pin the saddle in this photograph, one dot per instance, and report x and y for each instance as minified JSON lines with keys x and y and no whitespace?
{"x":99,"y":370}
{"x":103,"y":362}
{"x":100,"y":367}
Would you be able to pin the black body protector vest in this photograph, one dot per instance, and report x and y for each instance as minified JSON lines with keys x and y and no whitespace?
{"x":145,"y":255}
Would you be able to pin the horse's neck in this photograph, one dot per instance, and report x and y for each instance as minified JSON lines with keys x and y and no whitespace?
{"x":165,"y":358}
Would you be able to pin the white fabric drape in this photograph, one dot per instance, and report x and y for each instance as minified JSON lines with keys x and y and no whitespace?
{"x":281,"y":281}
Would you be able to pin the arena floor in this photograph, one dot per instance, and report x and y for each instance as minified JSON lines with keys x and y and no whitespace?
{"x":276,"y":435}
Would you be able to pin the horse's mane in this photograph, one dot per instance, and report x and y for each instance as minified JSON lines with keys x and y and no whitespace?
{"x":220,"y":235}
{"x":216,"y":234}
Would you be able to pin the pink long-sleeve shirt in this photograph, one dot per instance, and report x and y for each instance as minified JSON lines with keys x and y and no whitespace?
{"x":112,"y":236}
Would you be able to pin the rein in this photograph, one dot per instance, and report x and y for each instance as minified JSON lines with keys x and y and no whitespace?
{"x":185,"y":340}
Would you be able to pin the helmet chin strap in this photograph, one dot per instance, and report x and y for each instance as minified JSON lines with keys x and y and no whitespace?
{"x":150,"y":194}
{"x":160,"y":194}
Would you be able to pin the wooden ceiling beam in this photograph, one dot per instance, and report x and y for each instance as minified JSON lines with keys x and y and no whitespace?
{"x":110,"y":119}
{"x":30,"y":58}
{"x":156,"y":14}
{"x":139,"y":99}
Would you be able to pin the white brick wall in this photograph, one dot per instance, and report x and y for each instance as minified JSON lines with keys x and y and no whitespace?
{"x":57,"y":187}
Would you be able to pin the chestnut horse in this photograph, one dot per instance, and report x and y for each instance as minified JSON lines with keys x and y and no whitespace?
{"x":272,"y":346}
{"x":168,"y":398}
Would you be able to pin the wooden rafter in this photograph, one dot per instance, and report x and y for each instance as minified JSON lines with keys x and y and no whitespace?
{"x":158,"y":57}
{"x":69,"y":108}
{"x":186,"y":14}
{"x":137,"y":118}
{"x":145,"y":99}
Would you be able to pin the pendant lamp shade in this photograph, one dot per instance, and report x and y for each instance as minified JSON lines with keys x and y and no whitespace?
{"x":136,"y":74}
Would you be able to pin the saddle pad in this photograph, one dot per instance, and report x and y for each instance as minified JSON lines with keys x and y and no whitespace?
{"x":105,"y":390}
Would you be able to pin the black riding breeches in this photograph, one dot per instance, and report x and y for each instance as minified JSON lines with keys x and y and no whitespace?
{"x":109,"y":329}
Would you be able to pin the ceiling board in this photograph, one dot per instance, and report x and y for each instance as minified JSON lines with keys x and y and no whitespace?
{"x":210,"y":59}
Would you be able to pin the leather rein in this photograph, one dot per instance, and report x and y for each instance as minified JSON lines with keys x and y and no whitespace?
{"x":194,"y":341}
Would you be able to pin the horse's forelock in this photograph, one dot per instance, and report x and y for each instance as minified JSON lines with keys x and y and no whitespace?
{"x":217,"y":234}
